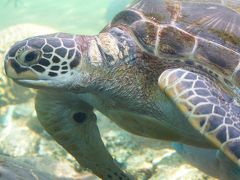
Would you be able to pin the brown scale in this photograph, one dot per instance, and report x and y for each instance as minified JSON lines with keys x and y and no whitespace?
{"x":174,"y":8}
{"x":213,"y":25}
{"x":151,"y":10}
{"x":209,"y":53}
{"x":212,"y":22}
{"x":174,"y":41}
{"x":145,"y":32}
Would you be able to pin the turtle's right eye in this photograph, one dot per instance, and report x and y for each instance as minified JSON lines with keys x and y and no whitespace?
{"x":29,"y":57}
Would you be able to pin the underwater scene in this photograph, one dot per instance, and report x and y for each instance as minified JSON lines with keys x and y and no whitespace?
{"x":119,"y":89}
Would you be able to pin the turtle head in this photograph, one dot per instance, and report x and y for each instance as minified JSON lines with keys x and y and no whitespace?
{"x":44,"y":61}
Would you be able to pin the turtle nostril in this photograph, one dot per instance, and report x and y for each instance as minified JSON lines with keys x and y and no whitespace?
{"x":31,"y":56}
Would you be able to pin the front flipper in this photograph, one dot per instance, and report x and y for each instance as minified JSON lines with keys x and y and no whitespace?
{"x":208,"y":108}
{"x":72,"y":124}
{"x":211,"y":161}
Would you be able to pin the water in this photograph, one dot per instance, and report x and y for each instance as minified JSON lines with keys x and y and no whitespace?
{"x":22,"y":139}
{"x":73,"y":16}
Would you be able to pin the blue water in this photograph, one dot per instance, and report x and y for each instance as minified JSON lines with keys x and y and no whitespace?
{"x":74,"y":16}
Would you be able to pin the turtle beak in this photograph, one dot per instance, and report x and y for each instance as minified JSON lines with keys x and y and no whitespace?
{"x":9,"y":70}
{"x":15,"y":71}
{"x":22,"y":75}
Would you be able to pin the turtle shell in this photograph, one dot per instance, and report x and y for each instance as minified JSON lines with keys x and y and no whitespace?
{"x":204,"y":32}
{"x":214,"y":20}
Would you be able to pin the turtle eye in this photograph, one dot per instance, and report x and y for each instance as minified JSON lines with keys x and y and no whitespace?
{"x":30,"y":57}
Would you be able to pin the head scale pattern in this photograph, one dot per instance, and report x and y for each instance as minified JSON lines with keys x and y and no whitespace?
{"x":49,"y":55}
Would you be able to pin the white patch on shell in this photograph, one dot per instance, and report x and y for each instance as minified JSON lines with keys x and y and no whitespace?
{"x":109,"y":45}
{"x":157,"y":40}
{"x":235,"y":78}
{"x":195,"y":46}
{"x":177,"y":10}
{"x":212,"y":7}
{"x":126,"y":49}
{"x":94,"y":54}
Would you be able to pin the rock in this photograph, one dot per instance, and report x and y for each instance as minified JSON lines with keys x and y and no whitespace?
{"x":14,"y":169}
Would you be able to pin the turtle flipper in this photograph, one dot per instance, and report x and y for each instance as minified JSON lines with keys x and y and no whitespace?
{"x":208,"y":108}
{"x":72,"y":124}
{"x":211,"y":161}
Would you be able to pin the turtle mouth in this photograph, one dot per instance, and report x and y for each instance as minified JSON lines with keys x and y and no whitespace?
{"x":16,"y":71}
{"x":40,"y":84}
{"x":23,"y":75}
{"x":32,"y":83}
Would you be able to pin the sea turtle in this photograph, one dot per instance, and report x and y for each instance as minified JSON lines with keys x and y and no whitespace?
{"x":161,"y":69}
{"x":10,"y":93}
